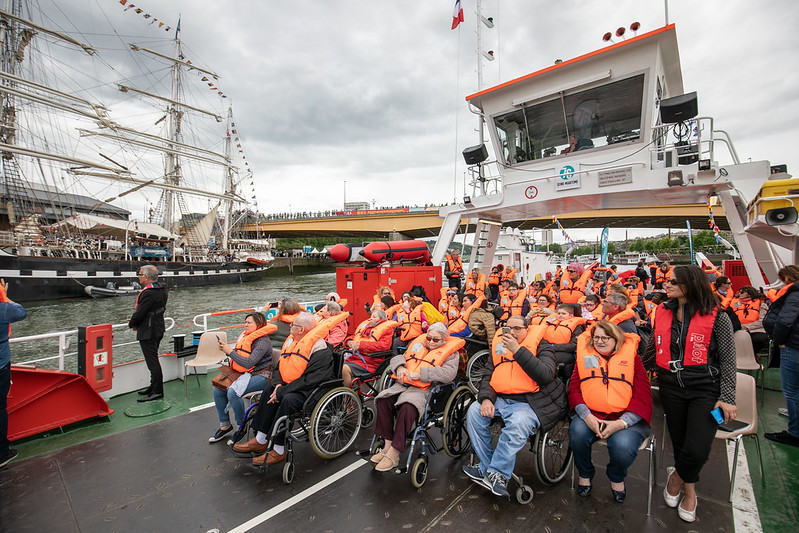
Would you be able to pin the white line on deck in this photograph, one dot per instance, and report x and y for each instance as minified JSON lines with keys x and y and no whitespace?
{"x":745,"y":516}
{"x":201,"y":407}
{"x":310,"y":491}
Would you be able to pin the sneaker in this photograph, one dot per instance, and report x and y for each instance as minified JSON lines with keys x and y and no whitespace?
{"x":783,"y":437}
{"x":783,"y":411}
{"x":498,"y":484}
{"x":10,"y":456}
{"x":476,"y":475}
{"x":220,"y":434}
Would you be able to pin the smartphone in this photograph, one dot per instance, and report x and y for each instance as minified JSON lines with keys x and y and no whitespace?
{"x":505,"y":330}
{"x":217,"y":338}
{"x":718,"y":415}
{"x":602,"y":426}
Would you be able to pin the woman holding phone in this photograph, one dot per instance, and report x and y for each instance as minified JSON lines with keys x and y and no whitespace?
{"x":609,"y":391}
{"x":694,"y":354}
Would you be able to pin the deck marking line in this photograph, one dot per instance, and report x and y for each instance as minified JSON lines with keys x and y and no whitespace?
{"x":201,"y":407}
{"x":745,"y":515}
{"x":310,"y":491}
{"x":443,"y":513}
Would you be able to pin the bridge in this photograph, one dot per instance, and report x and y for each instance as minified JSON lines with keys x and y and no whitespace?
{"x":376,"y":225}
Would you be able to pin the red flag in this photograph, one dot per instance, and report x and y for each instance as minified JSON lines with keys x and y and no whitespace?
{"x":457,"y":14}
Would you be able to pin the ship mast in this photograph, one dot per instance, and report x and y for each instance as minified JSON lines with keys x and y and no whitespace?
{"x":172,"y":174}
{"x":482,"y":54}
{"x":230,"y":188}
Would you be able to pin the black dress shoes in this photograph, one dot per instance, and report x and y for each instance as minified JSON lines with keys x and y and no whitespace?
{"x":150,"y":398}
{"x":145,"y":392}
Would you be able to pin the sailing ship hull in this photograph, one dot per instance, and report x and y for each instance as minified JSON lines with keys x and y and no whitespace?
{"x":54,"y":278}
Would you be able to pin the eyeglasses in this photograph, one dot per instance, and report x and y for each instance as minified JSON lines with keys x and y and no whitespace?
{"x":435,"y":339}
{"x":672,"y":282}
{"x":140,"y":273}
{"x":293,"y":325}
{"x":570,"y":270}
{"x":602,"y":340}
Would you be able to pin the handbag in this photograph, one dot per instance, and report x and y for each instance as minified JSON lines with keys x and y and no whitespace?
{"x":225,"y":378}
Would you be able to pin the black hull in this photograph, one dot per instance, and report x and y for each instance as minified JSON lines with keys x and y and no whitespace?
{"x":53,"y":278}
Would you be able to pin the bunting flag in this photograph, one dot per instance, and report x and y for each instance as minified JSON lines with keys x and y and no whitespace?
{"x":457,"y":14}
{"x":145,"y":16}
{"x":563,"y":232}
{"x":712,"y":222}
{"x":237,"y":140}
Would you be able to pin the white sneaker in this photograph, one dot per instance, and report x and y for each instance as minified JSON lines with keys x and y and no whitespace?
{"x":783,"y":411}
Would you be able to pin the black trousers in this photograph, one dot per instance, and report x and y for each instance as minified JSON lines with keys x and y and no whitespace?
{"x":150,"y":350}
{"x":455,"y":282}
{"x":5,"y":384}
{"x":691,"y":426}
{"x":268,"y":413}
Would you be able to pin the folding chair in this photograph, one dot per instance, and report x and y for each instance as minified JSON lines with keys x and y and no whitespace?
{"x":208,"y":354}
{"x":745,"y":355}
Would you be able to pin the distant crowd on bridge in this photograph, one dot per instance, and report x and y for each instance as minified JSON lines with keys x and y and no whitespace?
{"x":341,"y":213}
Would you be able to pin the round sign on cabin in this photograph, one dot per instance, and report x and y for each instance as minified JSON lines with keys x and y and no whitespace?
{"x":531,"y":192}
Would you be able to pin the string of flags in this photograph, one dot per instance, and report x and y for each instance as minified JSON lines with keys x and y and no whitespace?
{"x":146,"y":16}
{"x":563,"y":232}
{"x":240,"y":148}
{"x":712,"y":221}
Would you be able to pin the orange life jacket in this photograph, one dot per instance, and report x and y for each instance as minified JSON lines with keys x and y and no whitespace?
{"x":509,"y":274}
{"x":295,"y":355}
{"x":417,"y":356}
{"x":512,"y":307}
{"x":244,"y":345}
{"x":561,"y":331}
{"x":494,"y":278}
{"x":410,"y":324}
{"x":747,"y":312}
{"x":662,"y":277}
{"x":607,"y":384}
{"x":572,"y":291}
{"x":774,"y":294}
{"x":724,"y":299}
{"x":375,"y":333}
{"x":475,"y":287}
{"x":443,"y":303}
{"x":620,"y":317}
{"x":288,"y":319}
{"x":455,"y":265}
{"x":508,"y":376}
{"x":460,"y":323}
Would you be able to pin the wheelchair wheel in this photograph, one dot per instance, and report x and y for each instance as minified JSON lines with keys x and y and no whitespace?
{"x":419,"y":472}
{"x":368,"y":417}
{"x":288,"y":472}
{"x":455,"y":438}
{"x":385,"y":380}
{"x":524,"y":494}
{"x":553,"y":456}
{"x":335,"y":422}
{"x":475,"y":367}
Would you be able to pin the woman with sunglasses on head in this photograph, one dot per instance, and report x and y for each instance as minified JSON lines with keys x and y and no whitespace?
{"x":694,"y":354}
{"x":609,"y":391}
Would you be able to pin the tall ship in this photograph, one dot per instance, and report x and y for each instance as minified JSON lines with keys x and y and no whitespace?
{"x":173,"y":156}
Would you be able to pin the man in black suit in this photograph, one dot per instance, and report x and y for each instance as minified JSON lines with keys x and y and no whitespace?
{"x":148,"y":322}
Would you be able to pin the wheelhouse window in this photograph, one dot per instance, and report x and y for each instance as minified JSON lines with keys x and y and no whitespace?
{"x":600,"y":116}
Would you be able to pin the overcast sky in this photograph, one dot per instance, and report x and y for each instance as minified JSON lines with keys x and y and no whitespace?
{"x":372,"y":93}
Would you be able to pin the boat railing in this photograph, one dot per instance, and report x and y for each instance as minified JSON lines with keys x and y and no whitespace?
{"x":485,"y":178}
{"x":688,"y":141}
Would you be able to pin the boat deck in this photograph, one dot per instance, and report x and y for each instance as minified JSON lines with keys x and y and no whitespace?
{"x":135,"y":474}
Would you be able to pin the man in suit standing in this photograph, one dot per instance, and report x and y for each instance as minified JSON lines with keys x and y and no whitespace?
{"x":148,"y":322}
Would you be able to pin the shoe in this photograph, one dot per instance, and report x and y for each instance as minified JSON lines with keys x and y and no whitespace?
{"x":687,"y":516}
{"x":145,"y":392}
{"x":584,"y":490}
{"x":619,"y":495}
{"x":150,"y":398}
{"x":251,"y":445}
{"x":498,"y":484}
{"x":10,"y":456}
{"x":220,"y":434}
{"x":671,"y":501}
{"x":476,"y":474}
{"x":386,"y":464}
{"x":783,"y":437}
{"x":783,"y":411}
{"x":270,"y":458}
{"x":377,"y":457}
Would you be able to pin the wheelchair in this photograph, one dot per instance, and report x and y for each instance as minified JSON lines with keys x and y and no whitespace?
{"x":479,"y":353}
{"x":330,"y":419}
{"x":445,"y":410}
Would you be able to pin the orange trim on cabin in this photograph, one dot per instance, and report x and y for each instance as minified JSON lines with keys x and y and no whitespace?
{"x":573,"y":60}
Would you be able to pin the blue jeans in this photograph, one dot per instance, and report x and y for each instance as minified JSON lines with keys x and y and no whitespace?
{"x":789,"y":375}
{"x":622,"y":448}
{"x":223,"y":398}
{"x":520,"y":422}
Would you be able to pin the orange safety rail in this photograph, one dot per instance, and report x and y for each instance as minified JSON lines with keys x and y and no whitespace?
{"x":218,"y":313}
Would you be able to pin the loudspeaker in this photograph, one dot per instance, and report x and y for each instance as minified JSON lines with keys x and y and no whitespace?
{"x":781,"y":216}
{"x":679,"y":108}
{"x":475,"y":154}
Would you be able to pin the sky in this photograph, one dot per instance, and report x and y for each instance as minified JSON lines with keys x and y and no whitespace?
{"x":366,"y":99}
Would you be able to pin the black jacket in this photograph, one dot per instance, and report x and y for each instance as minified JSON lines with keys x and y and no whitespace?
{"x":782,"y":317}
{"x":549,"y":403}
{"x":148,"y":318}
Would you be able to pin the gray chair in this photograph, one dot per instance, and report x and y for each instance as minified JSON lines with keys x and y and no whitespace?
{"x":208,"y":354}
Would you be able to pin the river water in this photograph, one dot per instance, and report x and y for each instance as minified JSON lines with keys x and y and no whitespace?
{"x":183,"y":305}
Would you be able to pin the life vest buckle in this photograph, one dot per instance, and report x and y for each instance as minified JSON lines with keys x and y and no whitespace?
{"x":675,"y":366}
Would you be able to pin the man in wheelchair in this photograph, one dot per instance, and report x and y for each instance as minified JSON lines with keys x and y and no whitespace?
{"x":520,"y":386}
{"x":306,"y":361}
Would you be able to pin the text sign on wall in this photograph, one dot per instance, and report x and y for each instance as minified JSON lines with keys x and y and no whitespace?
{"x":618,"y":176}
{"x":567,"y":178}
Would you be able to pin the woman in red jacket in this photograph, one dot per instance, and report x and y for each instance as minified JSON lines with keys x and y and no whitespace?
{"x":610,"y":393}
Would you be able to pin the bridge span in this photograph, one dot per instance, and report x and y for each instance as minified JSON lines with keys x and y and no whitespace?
{"x":428,"y":224}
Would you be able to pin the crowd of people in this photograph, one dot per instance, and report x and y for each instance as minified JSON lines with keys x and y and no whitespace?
{"x":585,"y":342}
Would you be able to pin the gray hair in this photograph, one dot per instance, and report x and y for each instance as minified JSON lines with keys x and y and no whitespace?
{"x":380,"y":314}
{"x":617,"y":299}
{"x":438,"y":327}
{"x":150,"y":272}
{"x":333,"y":307}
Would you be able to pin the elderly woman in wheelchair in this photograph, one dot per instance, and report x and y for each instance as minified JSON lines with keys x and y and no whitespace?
{"x":430,"y":358}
